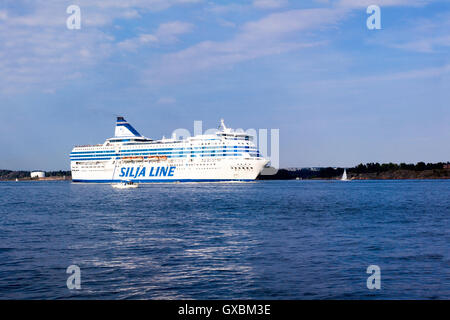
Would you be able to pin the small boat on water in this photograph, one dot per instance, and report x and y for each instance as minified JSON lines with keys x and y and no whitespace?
{"x":344,"y":176}
{"x":125,"y":185}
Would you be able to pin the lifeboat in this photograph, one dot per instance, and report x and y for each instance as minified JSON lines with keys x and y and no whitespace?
{"x":157,"y":158}
{"x":135,"y":158}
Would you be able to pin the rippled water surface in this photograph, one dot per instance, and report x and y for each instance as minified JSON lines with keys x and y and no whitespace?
{"x":261,"y":240}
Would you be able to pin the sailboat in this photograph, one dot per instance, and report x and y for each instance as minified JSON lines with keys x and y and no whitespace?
{"x":125,"y":185}
{"x":344,"y":176}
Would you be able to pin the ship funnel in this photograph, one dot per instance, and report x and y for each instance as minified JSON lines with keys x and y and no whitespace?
{"x":124,"y":129}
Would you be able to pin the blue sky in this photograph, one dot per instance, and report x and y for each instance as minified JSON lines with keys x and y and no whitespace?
{"x":339,"y":93}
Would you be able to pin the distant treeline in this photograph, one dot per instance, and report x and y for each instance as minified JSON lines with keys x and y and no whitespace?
{"x":368,"y":170}
{"x":11,"y":175}
{"x":376,"y":167}
{"x":361,"y":171}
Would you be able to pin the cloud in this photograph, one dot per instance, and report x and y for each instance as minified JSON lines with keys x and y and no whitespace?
{"x":241,"y":7}
{"x":381,"y":3}
{"x":425,"y":45}
{"x":94,"y":13}
{"x":166,"y":33}
{"x":28,"y":59}
{"x":432,"y":72}
{"x":37,"y":50}
{"x":226,"y":23}
{"x":166,"y":100}
{"x":271,"y":35}
{"x":280,"y":24}
{"x":134,"y":43}
{"x":269,"y":4}
{"x":226,"y":8}
{"x":413,"y":74}
{"x":425,"y":35}
{"x":151,"y":5}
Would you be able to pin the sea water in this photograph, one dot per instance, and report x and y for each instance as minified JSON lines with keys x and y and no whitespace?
{"x":253,"y":240}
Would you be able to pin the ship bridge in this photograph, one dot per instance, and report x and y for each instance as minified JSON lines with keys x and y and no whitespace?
{"x":229,"y":134}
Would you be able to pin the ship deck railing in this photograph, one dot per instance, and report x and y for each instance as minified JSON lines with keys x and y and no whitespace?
{"x":89,"y":145}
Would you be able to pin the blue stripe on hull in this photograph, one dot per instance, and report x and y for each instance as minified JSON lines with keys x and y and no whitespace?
{"x":161,"y":180}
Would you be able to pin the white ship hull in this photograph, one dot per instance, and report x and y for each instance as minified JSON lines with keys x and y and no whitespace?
{"x":164,"y":171}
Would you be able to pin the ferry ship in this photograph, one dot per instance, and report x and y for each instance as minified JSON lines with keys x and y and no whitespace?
{"x":226,"y":155}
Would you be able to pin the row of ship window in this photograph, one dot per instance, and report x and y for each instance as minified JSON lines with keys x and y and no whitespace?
{"x":198,"y":149}
{"x":163,"y":153}
{"x":171,"y":144}
{"x":93,"y":157}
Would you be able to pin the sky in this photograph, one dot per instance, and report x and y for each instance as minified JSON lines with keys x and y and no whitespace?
{"x":339,"y":93}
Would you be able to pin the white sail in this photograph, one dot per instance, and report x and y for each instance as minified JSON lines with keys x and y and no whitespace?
{"x":344,"y":176}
